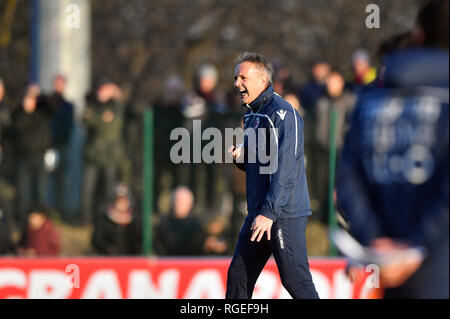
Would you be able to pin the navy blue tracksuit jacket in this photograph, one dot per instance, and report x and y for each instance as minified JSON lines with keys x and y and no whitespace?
{"x":284,"y":193}
{"x":394,"y":172}
{"x":276,"y":188}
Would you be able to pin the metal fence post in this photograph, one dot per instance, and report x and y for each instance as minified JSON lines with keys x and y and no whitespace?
{"x":147,"y":224}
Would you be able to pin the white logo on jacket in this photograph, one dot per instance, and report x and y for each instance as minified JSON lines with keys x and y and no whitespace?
{"x":282,"y":114}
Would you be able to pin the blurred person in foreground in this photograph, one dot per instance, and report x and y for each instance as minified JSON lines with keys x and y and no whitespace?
{"x":341,"y":101}
{"x":277,"y":196}
{"x":393,"y":188}
{"x":118,"y":230}
{"x":31,"y":126}
{"x":40,"y":237}
{"x":105,"y":160}
{"x":180,"y":233}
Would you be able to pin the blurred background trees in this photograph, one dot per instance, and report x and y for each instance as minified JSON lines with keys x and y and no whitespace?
{"x":138,"y":43}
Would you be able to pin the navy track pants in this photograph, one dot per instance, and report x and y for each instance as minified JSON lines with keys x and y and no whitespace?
{"x":288,"y":246}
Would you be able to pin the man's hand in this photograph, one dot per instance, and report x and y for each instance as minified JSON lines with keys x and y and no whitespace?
{"x":260,"y":225}
{"x":236,"y":151}
{"x":397,"y":272}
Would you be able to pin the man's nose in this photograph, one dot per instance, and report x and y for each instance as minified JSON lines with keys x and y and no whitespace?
{"x":237,"y":83}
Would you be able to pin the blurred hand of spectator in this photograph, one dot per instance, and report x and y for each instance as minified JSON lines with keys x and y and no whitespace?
{"x":215,"y":245}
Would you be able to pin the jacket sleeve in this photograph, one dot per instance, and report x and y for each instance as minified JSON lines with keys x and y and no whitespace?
{"x":283,"y":162}
{"x":353,"y":192}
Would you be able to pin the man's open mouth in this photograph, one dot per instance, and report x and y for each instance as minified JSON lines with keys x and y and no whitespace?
{"x":243,"y":92}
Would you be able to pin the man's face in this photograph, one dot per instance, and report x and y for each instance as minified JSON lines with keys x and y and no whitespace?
{"x":249,"y":81}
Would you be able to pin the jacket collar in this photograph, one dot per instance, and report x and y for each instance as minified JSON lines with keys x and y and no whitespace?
{"x":260,"y":100}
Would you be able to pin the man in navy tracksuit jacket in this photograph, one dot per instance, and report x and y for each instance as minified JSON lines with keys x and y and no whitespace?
{"x":277,"y":198}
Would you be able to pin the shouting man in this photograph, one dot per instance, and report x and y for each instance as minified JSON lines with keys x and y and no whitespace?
{"x":277,"y":200}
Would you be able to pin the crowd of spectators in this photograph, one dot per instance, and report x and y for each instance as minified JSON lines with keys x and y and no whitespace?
{"x":198,"y":207}
{"x":34,"y":143}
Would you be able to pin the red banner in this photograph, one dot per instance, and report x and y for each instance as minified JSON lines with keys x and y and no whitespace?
{"x":136,"y":278}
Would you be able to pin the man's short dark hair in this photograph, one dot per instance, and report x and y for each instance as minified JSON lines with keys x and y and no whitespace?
{"x":259,"y":60}
{"x":433,"y":18}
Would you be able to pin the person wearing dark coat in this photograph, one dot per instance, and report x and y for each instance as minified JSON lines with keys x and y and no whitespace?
{"x":32,"y":135}
{"x":118,"y":230}
{"x":180,"y":233}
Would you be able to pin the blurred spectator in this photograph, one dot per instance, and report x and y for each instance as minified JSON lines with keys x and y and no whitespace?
{"x":105,"y":159}
{"x":5,"y":116}
{"x":309,"y":94}
{"x":363,"y":71}
{"x":118,"y":230}
{"x":62,"y":124}
{"x":32,"y":136}
{"x":40,"y":238}
{"x":283,"y":81}
{"x":205,"y":103}
{"x":167,"y":113}
{"x":237,"y":176}
{"x":342,"y":101}
{"x":295,"y":102}
{"x":394,"y":183}
{"x":216,"y":242}
{"x":180,"y":233}
{"x":7,"y":165}
{"x":315,"y":88}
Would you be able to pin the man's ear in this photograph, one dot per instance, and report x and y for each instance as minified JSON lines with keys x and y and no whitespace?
{"x":264,"y":80}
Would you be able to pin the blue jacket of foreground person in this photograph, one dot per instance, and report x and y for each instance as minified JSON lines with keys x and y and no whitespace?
{"x":282,"y":191}
{"x":394,"y":172}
